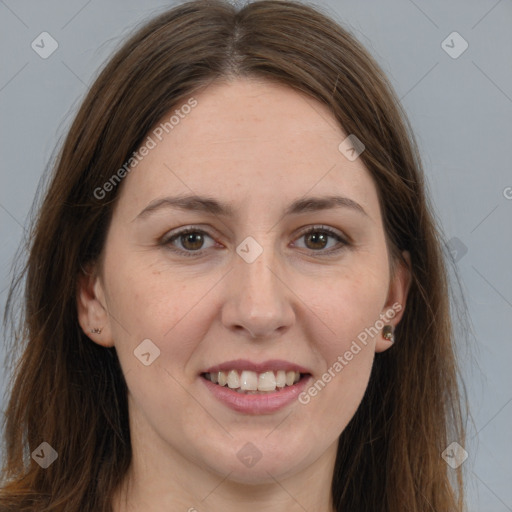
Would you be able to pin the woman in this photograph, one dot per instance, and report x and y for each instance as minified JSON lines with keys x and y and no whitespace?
{"x":235,"y":293}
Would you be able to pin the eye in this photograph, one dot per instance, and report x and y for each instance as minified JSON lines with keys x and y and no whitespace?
{"x":190,"y":239}
{"x":317,"y":239}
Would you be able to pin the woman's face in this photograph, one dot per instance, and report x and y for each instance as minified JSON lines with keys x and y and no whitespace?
{"x":275,"y":276}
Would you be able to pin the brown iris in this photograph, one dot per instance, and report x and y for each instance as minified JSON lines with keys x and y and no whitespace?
{"x":192,"y":241}
{"x":317,"y":238}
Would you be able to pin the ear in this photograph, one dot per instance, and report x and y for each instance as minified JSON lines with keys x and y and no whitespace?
{"x":91,"y":307}
{"x":397,"y":297}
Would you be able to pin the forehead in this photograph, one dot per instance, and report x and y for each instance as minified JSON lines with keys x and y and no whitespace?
{"x":249,"y":141}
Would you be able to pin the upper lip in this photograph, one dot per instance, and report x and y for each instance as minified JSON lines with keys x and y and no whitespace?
{"x":270,"y":365}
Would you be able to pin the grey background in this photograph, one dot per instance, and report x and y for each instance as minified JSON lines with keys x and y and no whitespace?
{"x":460,"y":109}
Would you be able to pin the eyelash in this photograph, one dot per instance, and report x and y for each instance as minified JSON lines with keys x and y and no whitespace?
{"x":167,"y":240}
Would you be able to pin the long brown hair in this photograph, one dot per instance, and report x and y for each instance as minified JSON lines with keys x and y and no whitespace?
{"x":71,"y":393}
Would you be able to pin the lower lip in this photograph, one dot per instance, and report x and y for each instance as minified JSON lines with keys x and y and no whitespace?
{"x":257,"y":404}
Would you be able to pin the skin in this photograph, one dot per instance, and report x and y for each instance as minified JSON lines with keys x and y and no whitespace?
{"x":257,"y":146}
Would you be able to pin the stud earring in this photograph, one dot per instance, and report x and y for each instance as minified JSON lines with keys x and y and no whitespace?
{"x":96,"y":330}
{"x":388,"y":333}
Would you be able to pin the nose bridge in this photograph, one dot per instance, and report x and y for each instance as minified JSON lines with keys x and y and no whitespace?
{"x":255,"y":269}
{"x":259,"y":301}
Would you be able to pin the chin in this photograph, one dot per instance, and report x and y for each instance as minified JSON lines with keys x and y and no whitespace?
{"x":257,"y":459}
{"x":265,"y":471}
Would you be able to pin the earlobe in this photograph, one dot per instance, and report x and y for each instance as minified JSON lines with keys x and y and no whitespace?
{"x":395,"y":303}
{"x":92,"y":315}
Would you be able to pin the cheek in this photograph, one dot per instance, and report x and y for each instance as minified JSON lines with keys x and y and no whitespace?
{"x":348,"y":302}
{"x":148,"y":300}
{"x":349,"y":308}
{"x":171,"y":310}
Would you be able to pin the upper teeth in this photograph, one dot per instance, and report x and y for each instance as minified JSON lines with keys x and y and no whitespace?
{"x":252,"y":381}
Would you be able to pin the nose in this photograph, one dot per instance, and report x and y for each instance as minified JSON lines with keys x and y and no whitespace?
{"x":259,"y":302}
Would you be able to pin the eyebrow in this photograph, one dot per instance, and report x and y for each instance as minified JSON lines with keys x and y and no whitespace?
{"x":210,"y":205}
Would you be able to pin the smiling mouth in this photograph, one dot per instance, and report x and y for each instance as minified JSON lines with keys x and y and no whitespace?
{"x":253,"y":383}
